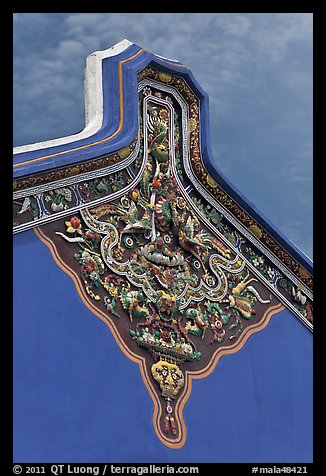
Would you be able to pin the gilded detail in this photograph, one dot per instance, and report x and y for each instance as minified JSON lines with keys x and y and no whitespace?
{"x":256,"y":231}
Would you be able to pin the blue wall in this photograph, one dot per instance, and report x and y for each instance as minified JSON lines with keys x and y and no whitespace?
{"x":78,"y":398}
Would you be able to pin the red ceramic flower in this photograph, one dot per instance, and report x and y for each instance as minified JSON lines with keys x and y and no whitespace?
{"x":166,"y":336}
{"x":75,"y":222}
{"x":89,"y":266}
{"x":156,"y":184}
{"x":74,"y":225}
{"x":95,"y":237}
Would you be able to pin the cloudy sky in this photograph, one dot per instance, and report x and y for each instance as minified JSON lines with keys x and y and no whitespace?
{"x":255,"y":67}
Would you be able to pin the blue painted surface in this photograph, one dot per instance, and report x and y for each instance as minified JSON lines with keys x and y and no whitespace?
{"x":78,"y":398}
{"x":111,"y":115}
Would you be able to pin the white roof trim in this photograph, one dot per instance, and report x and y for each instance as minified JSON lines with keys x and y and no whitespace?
{"x":93,"y":100}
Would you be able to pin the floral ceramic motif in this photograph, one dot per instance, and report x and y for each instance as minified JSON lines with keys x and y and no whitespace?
{"x":173,"y":289}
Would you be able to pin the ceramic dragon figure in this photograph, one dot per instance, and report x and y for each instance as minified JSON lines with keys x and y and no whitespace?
{"x":174,"y":287}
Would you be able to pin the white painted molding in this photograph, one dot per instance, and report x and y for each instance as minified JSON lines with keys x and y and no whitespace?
{"x":168,"y":59}
{"x":93,"y":100}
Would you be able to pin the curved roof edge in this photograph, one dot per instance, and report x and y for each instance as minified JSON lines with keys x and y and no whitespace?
{"x":111,"y":123}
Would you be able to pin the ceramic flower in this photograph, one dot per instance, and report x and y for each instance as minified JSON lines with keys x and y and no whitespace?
{"x":89,"y":266}
{"x":74,"y":225}
{"x":164,"y":115}
{"x":95,"y":237}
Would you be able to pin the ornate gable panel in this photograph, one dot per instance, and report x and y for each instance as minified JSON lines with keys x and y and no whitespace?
{"x":174,"y":262}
